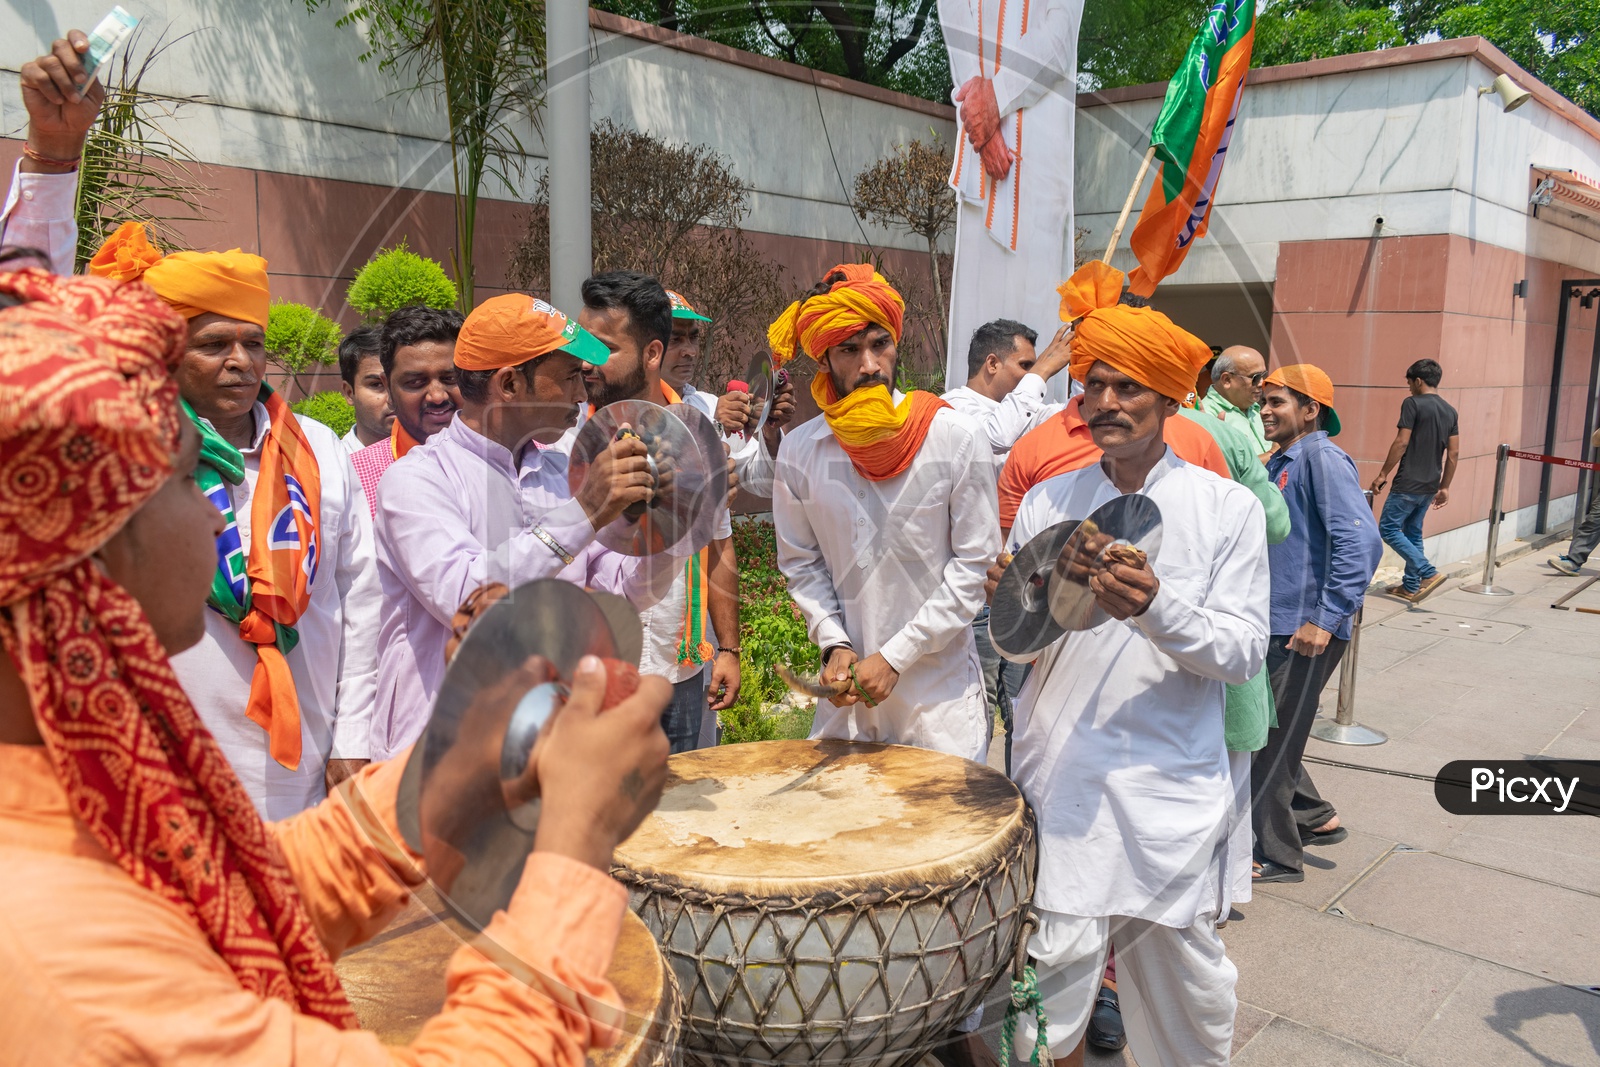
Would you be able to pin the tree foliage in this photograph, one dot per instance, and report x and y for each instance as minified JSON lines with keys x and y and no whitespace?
{"x":395,"y":278}
{"x":329,"y":408}
{"x":910,"y":190}
{"x":486,"y":60}
{"x":133,"y":169}
{"x":299,"y":338}
{"x":1125,"y":42}
{"x":892,"y":43}
{"x":674,"y":211}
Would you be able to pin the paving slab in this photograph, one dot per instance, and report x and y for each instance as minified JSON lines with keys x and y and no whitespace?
{"x":1546,"y":930}
{"x":1362,"y":983}
{"x":1248,"y":1021}
{"x":1387,"y":807}
{"x":1499,"y":1017}
{"x":1330,"y":870}
{"x":1521,"y":669}
{"x":1585,"y":726}
{"x":1560,"y":849}
{"x":1288,"y":1044}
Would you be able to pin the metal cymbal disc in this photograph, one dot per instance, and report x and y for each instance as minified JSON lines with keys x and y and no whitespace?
{"x":670,"y":516}
{"x":762,"y":379}
{"x":1019,"y":617}
{"x":452,"y":800}
{"x":1131,"y":519}
{"x":711,"y":497}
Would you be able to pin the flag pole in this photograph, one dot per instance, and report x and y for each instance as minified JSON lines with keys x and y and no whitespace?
{"x":1127,"y":205}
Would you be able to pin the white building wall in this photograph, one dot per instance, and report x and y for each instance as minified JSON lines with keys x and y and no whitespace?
{"x":277,"y":89}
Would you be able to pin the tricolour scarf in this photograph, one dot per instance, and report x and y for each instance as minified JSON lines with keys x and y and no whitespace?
{"x":693,"y":648}
{"x":880,"y":437}
{"x":265,"y":592}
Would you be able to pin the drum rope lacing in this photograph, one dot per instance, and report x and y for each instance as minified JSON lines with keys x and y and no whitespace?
{"x":1025,"y":996}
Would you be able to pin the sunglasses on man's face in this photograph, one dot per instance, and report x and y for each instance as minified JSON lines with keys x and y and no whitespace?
{"x":1257,"y":379}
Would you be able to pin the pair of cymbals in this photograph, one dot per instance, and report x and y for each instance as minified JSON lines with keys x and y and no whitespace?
{"x":763,"y":380}
{"x":1044,"y":592}
{"x":453,"y":804}
{"x":690,"y":465}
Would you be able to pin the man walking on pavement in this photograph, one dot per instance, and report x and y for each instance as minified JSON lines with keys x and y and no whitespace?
{"x":1235,"y":393}
{"x":1426,"y":447}
{"x":1319,"y":577}
{"x":1585,"y":536}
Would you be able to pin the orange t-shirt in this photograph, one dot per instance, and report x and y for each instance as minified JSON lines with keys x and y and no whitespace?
{"x":1063,"y":443}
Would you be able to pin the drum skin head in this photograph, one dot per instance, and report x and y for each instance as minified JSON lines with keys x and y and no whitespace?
{"x":484,"y":849}
{"x":1019,"y":619}
{"x":1130,"y":519}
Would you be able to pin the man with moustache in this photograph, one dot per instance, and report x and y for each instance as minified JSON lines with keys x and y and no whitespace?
{"x":885,"y":509}
{"x":284,"y":676}
{"x":417,"y":346}
{"x":362,"y":382}
{"x":634,"y":317}
{"x":1121,"y":745}
{"x":487,"y":501}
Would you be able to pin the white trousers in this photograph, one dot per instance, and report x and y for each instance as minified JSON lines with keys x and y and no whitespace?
{"x":1241,"y":837}
{"x":1175,"y":987}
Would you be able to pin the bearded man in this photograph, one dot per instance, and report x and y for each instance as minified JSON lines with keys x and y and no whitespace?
{"x":286,"y":675}
{"x":885,"y":509}
{"x":1121,"y":741}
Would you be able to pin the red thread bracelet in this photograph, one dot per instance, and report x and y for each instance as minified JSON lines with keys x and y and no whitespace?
{"x":38,"y":157}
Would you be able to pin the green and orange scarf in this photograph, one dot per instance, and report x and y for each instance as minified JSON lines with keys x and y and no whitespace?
{"x":265,"y":592}
{"x":693,"y":646}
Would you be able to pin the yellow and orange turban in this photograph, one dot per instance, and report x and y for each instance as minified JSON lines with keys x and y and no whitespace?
{"x":1140,"y":342}
{"x":232,"y":284}
{"x":864,"y":298}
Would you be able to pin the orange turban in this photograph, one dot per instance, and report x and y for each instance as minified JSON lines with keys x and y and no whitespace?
{"x":232,"y":284}
{"x":1140,"y":342}
{"x":864,"y":298}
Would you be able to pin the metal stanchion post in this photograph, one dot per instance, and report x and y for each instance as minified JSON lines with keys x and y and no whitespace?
{"x":1487,"y":586}
{"x":1343,"y":728}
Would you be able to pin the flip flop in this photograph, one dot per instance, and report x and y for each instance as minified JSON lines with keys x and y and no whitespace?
{"x":1268,"y":873}
{"x":1323,"y":837}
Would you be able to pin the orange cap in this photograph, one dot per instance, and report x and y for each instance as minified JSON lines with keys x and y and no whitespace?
{"x":1314,"y":382}
{"x":509,"y":330}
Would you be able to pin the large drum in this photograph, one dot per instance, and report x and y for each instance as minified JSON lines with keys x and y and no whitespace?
{"x":825,"y":902}
{"x":395,"y":982}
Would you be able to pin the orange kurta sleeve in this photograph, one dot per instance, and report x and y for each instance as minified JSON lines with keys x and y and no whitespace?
{"x":95,"y":969}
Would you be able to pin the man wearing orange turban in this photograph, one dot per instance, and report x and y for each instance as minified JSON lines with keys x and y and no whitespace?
{"x":885,"y":509}
{"x":286,"y":675}
{"x":152,"y":916}
{"x":1121,"y":744}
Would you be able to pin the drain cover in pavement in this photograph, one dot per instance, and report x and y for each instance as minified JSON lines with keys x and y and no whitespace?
{"x":1429,"y":622}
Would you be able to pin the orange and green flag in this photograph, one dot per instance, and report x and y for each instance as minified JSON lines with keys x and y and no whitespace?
{"x":1191,"y":140}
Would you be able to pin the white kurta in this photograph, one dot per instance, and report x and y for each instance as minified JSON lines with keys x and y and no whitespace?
{"x":1002,"y":422}
{"x":895,"y":567}
{"x":1014,"y":237}
{"x":752,"y":463}
{"x":663,"y":622}
{"x":1119,"y":744}
{"x":334,"y":665}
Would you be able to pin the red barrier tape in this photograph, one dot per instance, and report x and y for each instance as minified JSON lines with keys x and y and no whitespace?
{"x":1560,"y":461}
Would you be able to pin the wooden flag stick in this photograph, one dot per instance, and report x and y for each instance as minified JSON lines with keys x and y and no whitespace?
{"x":1127,"y":205}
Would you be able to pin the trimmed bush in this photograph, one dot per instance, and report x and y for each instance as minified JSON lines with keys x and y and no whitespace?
{"x":331,"y":409}
{"x":300,"y":337}
{"x":397,"y":278}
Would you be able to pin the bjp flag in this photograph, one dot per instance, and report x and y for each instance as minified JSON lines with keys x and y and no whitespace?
{"x":1191,"y":139}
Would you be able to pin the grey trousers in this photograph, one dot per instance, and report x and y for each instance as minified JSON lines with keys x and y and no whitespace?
{"x":1280,"y":790}
{"x":1587,"y":535}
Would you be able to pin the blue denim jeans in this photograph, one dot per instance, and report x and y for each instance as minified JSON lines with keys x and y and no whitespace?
{"x":1002,"y":679}
{"x":1400,"y":526}
{"x":681,"y":719}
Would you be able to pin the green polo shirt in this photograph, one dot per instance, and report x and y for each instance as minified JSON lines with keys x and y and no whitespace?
{"x":1214,"y":403}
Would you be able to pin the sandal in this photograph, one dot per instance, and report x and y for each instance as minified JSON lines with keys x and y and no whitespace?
{"x":1267,"y":873}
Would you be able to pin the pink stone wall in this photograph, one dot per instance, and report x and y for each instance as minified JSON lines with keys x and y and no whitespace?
{"x":1363,"y":310}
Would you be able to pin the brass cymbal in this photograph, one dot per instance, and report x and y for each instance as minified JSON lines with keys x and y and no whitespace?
{"x":452,"y":804}
{"x":762,"y":380}
{"x":676,"y":459}
{"x":1019,"y":616}
{"x":1129,"y":520}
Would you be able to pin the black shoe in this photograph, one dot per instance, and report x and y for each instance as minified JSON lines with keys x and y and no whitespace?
{"x":1323,"y":837}
{"x":1105,"y":1025}
{"x":1267,"y":873}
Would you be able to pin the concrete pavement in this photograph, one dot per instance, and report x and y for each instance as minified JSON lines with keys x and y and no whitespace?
{"x":1428,"y":938}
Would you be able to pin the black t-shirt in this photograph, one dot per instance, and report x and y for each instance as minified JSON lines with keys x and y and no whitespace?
{"x":1432,"y":423}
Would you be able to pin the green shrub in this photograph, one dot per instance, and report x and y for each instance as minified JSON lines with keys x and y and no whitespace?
{"x":771,"y":631}
{"x":395,"y":278}
{"x":330,"y":409}
{"x":299,"y":337}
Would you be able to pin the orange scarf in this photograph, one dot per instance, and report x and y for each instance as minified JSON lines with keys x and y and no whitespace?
{"x":400,"y":442}
{"x":880,"y":437}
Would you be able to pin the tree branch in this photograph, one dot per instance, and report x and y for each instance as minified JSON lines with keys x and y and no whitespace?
{"x":898,"y":50}
{"x":849,"y":34}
